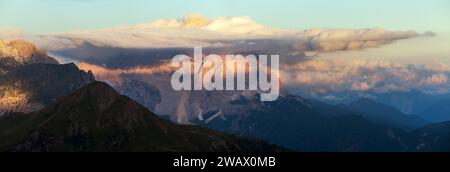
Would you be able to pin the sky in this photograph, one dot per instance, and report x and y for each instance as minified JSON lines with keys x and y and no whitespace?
{"x":334,"y":69}
{"x":47,"y":16}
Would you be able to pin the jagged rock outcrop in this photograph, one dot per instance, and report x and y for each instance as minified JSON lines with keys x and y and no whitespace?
{"x":30,"y":79}
{"x":24,"y":52}
{"x":30,"y":87}
{"x":18,"y":52}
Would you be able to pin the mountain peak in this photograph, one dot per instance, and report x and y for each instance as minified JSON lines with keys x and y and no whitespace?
{"x":98,"y":94}
{"x":24,"y":52}
{"x":30,"y":87}
{"x":97,"y":87}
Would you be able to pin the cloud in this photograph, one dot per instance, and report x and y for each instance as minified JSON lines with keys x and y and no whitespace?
{"x":323,"y":77}
{"x":436,"y":79}
{"x":328,"y":40}
{"x":361,"y":86}
{"x":242,"y":25}
{"x":224,"y":32}
{"x":115,"y":76}
{"x":326,"y":76}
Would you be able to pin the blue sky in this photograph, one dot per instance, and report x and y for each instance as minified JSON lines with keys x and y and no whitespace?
{"x":44,"y":16}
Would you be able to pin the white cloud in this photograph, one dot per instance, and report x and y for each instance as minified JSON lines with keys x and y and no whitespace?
{"x":197,"y":30}
{"x":361,"y":86}
{"x":436,"y":79}
{"x":194,"y":30}
{"x":324,"y":76}
{"x":239,"y":25}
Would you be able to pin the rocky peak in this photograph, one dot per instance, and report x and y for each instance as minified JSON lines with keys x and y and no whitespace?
{"x":30,"y":87}
{"x":24,"y":52}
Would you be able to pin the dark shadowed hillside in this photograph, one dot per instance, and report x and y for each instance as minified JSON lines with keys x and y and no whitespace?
{"x":30,"y":87}
{"x":386,"y":114}
{"x":307,"y":125}
{"x":433,"y":138}
{"x":30,"y":79}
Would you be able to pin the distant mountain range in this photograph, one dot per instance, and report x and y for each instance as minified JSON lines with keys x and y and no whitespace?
{"x":382,"y":113}
{"x":17,"y":53}
{"x":53,"y":107}
{"x":292,"y":121}
{"x":306,"y":125}
{"x":430,"y":107}
{"x":97,"y":118}
{"x":146,"y":94}
{"x":94,"y":117}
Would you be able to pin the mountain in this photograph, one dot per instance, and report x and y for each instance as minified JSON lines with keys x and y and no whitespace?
{"x":430,"y":107}
{"x":386,"y":114}
{"x":438,"y":111}
{"x":293,"y":122}
{"x":6,"y":64}
{"x":97,"y":118}
{"x":306,"y":125}
{"x":140,"y":91}
{"x":18,"y":52}
{"x":433,"y":138}
{"x":30,"y":79}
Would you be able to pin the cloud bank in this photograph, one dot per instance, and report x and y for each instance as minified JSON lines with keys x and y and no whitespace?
{"x":326,"y":76}
{"x":115,"y":76}
{"x":242,"y":34}
{"x":197,"y":30}
{"x":242,"y":25}
{"x":349,"y":39}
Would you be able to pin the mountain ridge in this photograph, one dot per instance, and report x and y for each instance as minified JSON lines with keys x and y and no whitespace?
{"x":382,"y":113}
{"x":30,"y":87}
{"x":97,"y":118}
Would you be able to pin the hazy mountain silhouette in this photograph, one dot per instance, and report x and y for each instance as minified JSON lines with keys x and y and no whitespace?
{"x":438,"y":111}
{"x":385,"y":114}
{"x":307,"y":125}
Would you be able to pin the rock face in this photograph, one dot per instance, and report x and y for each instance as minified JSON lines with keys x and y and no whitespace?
{"x":24,"y":52}
{"x":382,"y":113}
{"x":97,"y":118}
{"x":17,"y":53}
{"x":30,"y":87}
{"x":30,"y":79}
{"x":142,"y":92}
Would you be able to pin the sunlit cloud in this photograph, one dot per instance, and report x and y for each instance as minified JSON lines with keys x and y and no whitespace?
{"x":115,"y":76}
{"x":198,"y":30}
{"x":322,"y":76}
